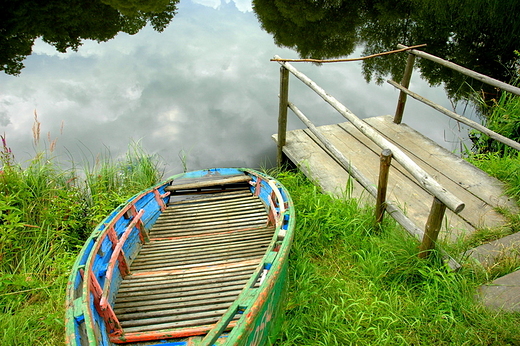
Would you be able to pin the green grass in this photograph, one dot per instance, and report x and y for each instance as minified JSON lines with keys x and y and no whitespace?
{"x":503,"y":167}
{"x":353,"y":285}
{"x":46,"y":213}
{"x":503,"y":117}
{"x":350,"y":284}
{"x":497,"y":159}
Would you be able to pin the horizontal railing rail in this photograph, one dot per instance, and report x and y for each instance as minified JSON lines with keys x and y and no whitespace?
{"x":473,"y":124}
{"x":466,"y":71}
{"x":442,"y":197}
{"x":404,"y":91}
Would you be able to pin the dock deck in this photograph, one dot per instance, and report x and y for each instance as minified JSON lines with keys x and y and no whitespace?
{"x":481,"y":193}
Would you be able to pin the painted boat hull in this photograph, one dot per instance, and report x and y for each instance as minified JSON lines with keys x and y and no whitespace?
{"x":115,"y":270}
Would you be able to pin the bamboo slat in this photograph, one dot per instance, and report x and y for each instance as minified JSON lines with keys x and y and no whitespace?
{"x":178,"y":296}
{"x":203,"y":250}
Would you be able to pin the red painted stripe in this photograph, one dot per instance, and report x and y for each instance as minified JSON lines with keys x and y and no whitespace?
{"x":164,"y":334}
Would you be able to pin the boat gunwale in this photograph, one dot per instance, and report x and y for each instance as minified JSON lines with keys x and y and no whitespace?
{"x":98,"y":235}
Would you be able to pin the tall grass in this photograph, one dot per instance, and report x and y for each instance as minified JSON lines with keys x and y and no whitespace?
{"x":495,"y":158}
{"x":109,"y":183}
{"x":353,"y":285}
{"x":503,"y":117}
{"x":46,"y":212}
{"x":499,"y":160}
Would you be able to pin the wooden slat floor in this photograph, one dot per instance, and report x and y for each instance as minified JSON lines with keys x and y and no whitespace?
{"x":481,"y":193}
{"x":203,"y":250}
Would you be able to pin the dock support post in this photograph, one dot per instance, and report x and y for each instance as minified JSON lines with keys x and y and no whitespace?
{"x":433,"y":226}
{"x":282,"y":112}
{"x":406,"y":83}
{"x":384,"y":168}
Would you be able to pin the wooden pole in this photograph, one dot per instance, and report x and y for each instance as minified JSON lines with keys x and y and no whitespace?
{"x":466,"y":71}
{"x":282,"y":113}
{"x":459,"y":118}
{"x":433,"y":226}
{"x":406,"y":83}
{"x":384,"y":168}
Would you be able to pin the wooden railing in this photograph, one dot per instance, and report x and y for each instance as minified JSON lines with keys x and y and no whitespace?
{"x":405,"y":82}
{"x":442,"y":198}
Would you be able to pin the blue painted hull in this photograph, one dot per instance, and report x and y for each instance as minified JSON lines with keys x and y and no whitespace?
{"x":111,"y":255}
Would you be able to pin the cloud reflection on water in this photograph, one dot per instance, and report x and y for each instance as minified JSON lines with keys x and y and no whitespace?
{"x":204,"y":87}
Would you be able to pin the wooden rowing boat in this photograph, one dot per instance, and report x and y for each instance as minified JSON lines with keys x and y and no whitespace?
{"x":199,"y":259}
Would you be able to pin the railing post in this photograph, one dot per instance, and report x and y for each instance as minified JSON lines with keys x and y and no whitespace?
{"x":282,"y":112}
{"x":384,"y":168}
{"x":406,"y":83}
{"x":433,"y":226}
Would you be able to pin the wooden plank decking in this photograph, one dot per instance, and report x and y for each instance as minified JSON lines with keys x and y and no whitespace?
{"x":202,"y":251}
{"x":480,"y":193}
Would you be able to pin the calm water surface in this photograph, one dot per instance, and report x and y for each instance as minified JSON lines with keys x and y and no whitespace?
{"x":204,"y":89}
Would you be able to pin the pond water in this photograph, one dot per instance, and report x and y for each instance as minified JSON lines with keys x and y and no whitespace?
{"x":202,"y":93}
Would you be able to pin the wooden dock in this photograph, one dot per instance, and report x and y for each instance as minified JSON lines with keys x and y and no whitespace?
{"x":481,"y":193}
{"x":432,"y":193}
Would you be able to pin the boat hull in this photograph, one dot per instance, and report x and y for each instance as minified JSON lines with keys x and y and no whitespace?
{"x":199,"y":259}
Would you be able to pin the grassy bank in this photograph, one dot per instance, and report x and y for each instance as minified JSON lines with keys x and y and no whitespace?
{"x":349,"y":283}
{"x":46,"y":213}
{"x":495,"y":158}
{"x":353,"y":285}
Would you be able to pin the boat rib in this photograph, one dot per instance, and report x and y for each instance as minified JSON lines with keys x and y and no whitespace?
{"x":202,"y":251}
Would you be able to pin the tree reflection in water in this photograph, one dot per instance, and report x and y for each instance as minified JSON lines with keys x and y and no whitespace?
{"x":65,"y":24}
{"x":479,"y":34}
